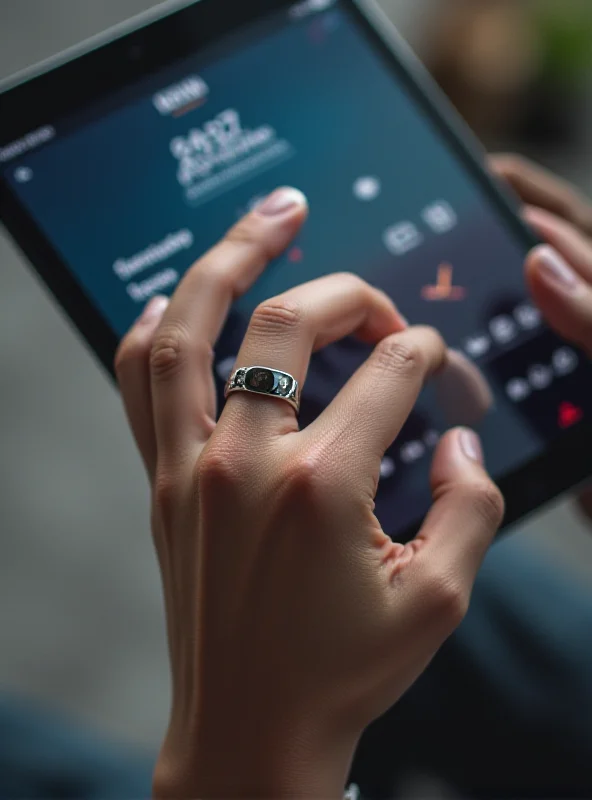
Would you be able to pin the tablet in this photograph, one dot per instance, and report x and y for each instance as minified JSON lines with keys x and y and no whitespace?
{"x":122,"y":161}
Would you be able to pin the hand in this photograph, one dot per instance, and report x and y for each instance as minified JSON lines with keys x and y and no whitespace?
{"x":293,"y":620}
{"x":560,"y":273}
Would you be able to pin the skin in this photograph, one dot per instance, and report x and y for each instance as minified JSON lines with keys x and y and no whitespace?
{"x":293,"y":621}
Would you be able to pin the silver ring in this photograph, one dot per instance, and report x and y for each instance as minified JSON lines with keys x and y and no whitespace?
{"x":267,"y":381}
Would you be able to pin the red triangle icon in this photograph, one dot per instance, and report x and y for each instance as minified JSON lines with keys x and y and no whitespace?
{"x":569,"y":415}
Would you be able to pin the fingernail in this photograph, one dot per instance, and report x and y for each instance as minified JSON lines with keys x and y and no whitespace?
{"x":281,"y":201}
{"x":470,"y":444}
{"x":463,"y":394}
{"x":154,"y":310}
{"x":555,"y":270}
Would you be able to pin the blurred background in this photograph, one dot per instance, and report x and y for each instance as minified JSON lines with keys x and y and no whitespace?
{"x":81,"y":623}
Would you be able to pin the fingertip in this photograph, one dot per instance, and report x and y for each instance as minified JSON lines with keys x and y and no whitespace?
{"x":153,"y":311}
{"x":283,"y":202}
{"x":273,"y":223}
{"x":385,"y":320}
{"x":136,"y":343}
{"x":546,"y":266}
{"x":469,"y":443}
{"x":458,"y":457}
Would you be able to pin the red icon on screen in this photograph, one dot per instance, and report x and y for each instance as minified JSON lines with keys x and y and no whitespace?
{"x":295,"y":255}
{"x":569,"y":415}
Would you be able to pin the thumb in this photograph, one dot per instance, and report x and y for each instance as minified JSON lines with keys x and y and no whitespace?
{"x":467,"y":511}
{"x":442,"y":562}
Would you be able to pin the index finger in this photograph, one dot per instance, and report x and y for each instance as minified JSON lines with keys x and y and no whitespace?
{"x":183,"y":390}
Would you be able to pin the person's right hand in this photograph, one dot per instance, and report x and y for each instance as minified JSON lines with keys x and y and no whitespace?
{"x":559,"y":273}
{"x":293,"y":619}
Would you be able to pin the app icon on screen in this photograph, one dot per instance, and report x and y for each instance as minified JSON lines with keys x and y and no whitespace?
{"x":412,"y":451}
{"x":440,"y":217}
{"x":565,"y":361}
{"x":540,"y":377}
{"x":569,"y":415}
{"x":503,"y":329}
{"x":23,"y":174}
{"x":518,"y":389}
{"x":387,"y":468}
{"x":528,"y":316}
{"x":477,"y":346}
{"x":367,"y":188}
{"x":402,"y":238}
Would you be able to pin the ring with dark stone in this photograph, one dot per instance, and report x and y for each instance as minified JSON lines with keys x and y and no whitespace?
{"x":264,"y":380}
{"x":259,"y":379}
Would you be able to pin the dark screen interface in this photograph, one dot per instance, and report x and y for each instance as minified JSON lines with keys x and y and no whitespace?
{"x":137,"y":188}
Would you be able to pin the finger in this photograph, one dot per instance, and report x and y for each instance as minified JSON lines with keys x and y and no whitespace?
{"x":538,"y":187}
{"x":467,"y":512}
{"x":133,"y":375}
{"x":567,"y":240}
{"x":183,"y":388}
{"x":368,"y":413}
{"x":284,"y":331}
{"x":563,"y":297}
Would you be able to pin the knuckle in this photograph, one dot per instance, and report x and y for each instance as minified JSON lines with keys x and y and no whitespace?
{"x":169,"y":351}
{"x":452,"y":602}
{"x":276,"y":316}
{"x":219,"y":467}
{"x":395,"y":355}
{"x":307,"y":478}
{"x":448,"y":598}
